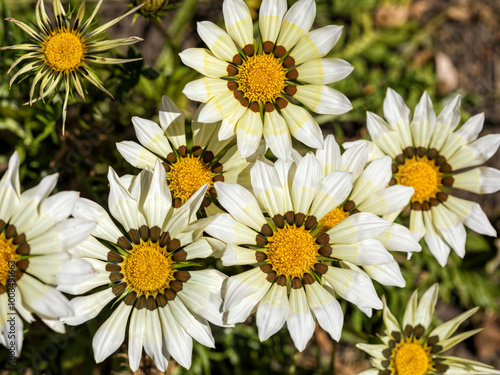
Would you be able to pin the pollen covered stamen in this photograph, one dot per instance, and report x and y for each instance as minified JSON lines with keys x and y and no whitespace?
{"x":292,"y":251}
{"x":7,"y":255}
{"x":187,"y":175}
{"x":64,"y":51}
{"x":332,"y":218}
{"x":262,"y":79}
{"x":423,"y":175}
{"x":148,"y":269}
{"x":411,"y":359}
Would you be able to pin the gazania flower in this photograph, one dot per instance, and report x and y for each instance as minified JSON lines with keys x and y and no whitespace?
{"x":189,"y":163}
{"x":415,"y":348}
{"x":370,"y":193}
{"x":146,"y":273}
{"x":35,"y":235}
{"x":298,"y":267}
{"x":248,"y":84}
{"x":61,"y":52}
{"x":153,"y":8}
{"x":429,"y":155}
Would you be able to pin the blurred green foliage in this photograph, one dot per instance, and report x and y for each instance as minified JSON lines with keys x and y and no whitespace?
{"x":382,"y":56}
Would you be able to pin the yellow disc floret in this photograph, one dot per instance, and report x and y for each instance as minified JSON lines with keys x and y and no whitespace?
{"x":7,"y":255}
{"x":421,"y":174}
{"x":292,"y":251}
{"x":411,"y":359}
{"x":262,"y":78}
{"x":64,"y":51}
{"x":332,"y":218}
{"x":148,"y":269}
{"x":187,"y":175}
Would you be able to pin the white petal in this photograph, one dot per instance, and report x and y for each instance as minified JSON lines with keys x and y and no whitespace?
{"x":105,"y":228}
{"x":151,"y":136}
{"x":238,"y":21}
{"x":158,"y":202}
{"x":227,"y":229}
{"x":426,"y":305}
{"x":306,"y":183}
{"x":172,"y":121}
{"x":272,"y":312}
{"x":300,"y":321}
{"x":354,"y":286}
{"x":354,"y":160}
{"x":375,"y":177}
{"x":88,"y":307}
{"x":360,"y":226}
{"x":277,"y":135}
{"x":329,"y":156}
{"x":154,"y":340}
{"x":302,"y":125}
{"x":446,"y":122}
{"x":398,"y":116}
{"x":219,"y":107}
{"x":381,"y":134}
{"x":470,"y":130}
{"x":198,"y":249}
{"x":471,"y":214}
{"x":237,"y":255}
{"x":417,"y":226}
{"x":197,"y":328}
{"x":363,"y":253}
{"x":388,"y":200}
{"x":136,"y":335}
{"x":316,"y":43}
{"x":201,"y":60}
{"x":482,"y":180}
{"x":423,"y":122}
{"x":10,"y":190}
{"x":386,"y":274}
{"x":323,"y":99}
{"x":270,"y":15}
{"x":296,"y":22}
{"x":136,"y":155}
{"x":179,"y":343}
{"x":437,"y":246}
{"x":450,"y":227}
{"x":333,"y":191}
{"x":399,"y":238}
{"x":204,"y":89}
{"x":483,"y":149}
{"x":249,"y":133}
{"x":326,"y":309}
{"x":324,"y":71}
{"x":219,"y":42}
{"x":42,"y":299}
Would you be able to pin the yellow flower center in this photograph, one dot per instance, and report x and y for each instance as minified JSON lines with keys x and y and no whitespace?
{"x":292,"y":251}
{"x":421,"y":174}
{"x":7,"y":255}
{"x":332,"y":218}
{"x":64,"y":51}
{"x":262,"y":78}
{"x":411,"y":359}
{"x":148,"y":268}
{"x":187,"y":175}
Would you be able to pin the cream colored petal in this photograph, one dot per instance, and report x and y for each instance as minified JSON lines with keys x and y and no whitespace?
{"x":296,"y":22}
{"x":316,"y":43}
{"x":300,"y":321}
{"x":249,"y":133}
{"x":270,"y":16}
{"x":219,"y":42}
{"x":201,"y":60}
{"x":238,"y":21}
{"x":151,"y":136}
{"x":219,"y":107}
{"x":136,"y":155}
{"x":324,"y":71}
{"x":204,"y":89}
{"x":277,"y":135}
{"x":424,"y":122}
{"x":303,"y":126}
{"x":323,"y":99}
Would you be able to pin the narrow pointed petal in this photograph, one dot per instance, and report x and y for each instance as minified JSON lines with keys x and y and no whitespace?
{"x":296,"y":22}
{"x":323,"y":99}
{"x":300,"y":321}
{"x":270,"y":16}
{"x":272,"y":312}
{"x":303,"y":126}
{"x":316,"y":43}
{"x":249,"y":133}
{"x":277,"y":135}
{"x":219,"y":42}
{"x":238,"y":21}
{"x":324,"y":71}
{"x":201,"y":60}
{"x":326,"y":309}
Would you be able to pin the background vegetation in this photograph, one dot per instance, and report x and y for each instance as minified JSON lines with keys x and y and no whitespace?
{"x":442,"y":46}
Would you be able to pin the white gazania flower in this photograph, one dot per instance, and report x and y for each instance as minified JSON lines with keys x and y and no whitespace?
{"x":248,"y":83}
{"x":415,"y":348}
{"x":146,"y":271}
{"x":299,"y":268}
{"x":190,"y":163}
{"x":370,"y":193}
{"x":429,"y":155}
{"x":35,"y":235}
{"x":62,"y":52}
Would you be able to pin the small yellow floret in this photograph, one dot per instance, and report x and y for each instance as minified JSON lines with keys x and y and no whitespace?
{"x":421,"y":174}
{"x":148,"y":269}
{"x":64,"y":51}
{"x":187,"y":175}
{"x":262,"y":78}
{"x":411,"y":359}
{"x":292,"y":251}
{"x":331,"y":219}
{"x":7,"y":254}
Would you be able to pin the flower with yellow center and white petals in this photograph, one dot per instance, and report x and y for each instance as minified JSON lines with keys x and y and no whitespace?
{"x":62,"y":52}
{"x":416,"y":348}
{"x":36,"y":234}
{"x":297,"y":265}
{"x":249,"y":84}
{"x":431,"y":156}
{"x":205,"y":161}
{"x":148,"y":272}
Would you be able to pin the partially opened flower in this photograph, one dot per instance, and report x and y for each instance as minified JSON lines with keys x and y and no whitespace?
{"x":249,"y":84}
{"x":189,"y":163}
{"x":415,"y":347}
{"x":147,"y":273}
{"x":370,"y":193}
{"x":35,"y":236}
{"x":61,"y":52}
{"x":298,"y":268}
{"x":435,"y":159}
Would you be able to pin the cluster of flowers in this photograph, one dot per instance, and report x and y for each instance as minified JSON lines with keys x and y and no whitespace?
{"x":311,"y":228}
